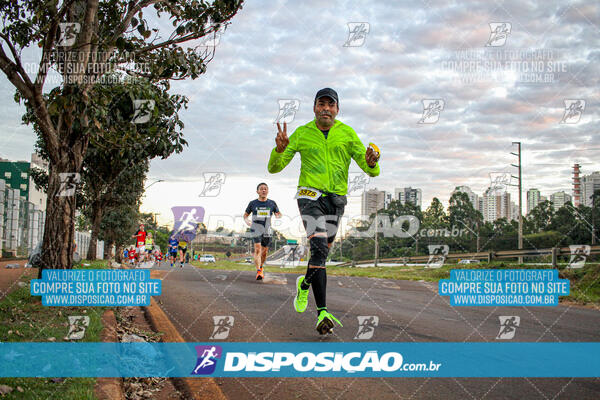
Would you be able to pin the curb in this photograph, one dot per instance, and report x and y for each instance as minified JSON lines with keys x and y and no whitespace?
{"x":194,"y":388}
{"x":109,"y":388}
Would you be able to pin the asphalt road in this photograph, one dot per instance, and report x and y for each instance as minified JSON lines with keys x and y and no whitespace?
{"x":406,"y":312}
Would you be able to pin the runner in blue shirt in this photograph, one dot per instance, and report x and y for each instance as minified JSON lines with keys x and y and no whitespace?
{"x":173,"y":244}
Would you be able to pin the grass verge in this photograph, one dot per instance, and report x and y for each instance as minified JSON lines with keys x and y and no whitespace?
{"x":24,"y":319}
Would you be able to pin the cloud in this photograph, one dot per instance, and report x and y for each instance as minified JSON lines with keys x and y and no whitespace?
{"x":289,"y":50}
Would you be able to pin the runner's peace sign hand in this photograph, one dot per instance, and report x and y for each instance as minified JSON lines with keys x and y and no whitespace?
{"x":281,"y":140}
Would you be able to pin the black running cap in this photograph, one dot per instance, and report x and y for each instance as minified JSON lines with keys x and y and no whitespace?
{"x":327,"y":92}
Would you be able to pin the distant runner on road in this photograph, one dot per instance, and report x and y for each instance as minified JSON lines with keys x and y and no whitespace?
{"x":140,"y":237}
{"x":132,"y":255}
{"x":149,"y":245}
{"x":182,"y":247}
{"x":172,"y":251}
{"x":261,"y":210}
{"x":326,"y":147}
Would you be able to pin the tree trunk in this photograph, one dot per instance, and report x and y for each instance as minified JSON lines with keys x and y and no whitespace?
{"x":59,"y":229}
{"x":108,"y":250}
{"x":96,"y":220}
{"x":119,"y":254}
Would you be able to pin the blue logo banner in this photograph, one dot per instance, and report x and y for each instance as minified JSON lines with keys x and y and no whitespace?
{"x":504,"y":287}
{"x":95,"y":287}
{"x":238,"y":359}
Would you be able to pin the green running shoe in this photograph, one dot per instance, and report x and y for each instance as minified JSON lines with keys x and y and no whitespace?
{"x":301,"y":299}
{"x":325,"y":322}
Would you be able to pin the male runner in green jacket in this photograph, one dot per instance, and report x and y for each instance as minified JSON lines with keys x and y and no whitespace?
{"x":326,"y":146}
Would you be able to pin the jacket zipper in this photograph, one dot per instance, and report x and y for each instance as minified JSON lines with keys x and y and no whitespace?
{"x":329,"y":188}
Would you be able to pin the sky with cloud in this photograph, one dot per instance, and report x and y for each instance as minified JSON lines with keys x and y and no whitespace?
{"x":413,"y":51}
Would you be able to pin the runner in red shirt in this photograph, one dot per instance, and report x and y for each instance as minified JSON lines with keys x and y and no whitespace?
{"x":140,"y":236}
{"x":132,"y":255}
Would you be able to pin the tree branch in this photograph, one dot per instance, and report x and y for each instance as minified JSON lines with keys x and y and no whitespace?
{"x":191,"y":36}
{"x":49,"y":44}
{"x":47,"y":130}
{"x":10,"y":69}
{"x":129,"y":16}
{"x":17,"y":60}
{"x":84,"y":44}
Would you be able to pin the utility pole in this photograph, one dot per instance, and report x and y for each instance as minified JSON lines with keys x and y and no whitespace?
{"x":520,"y":198}
{"x":593,"y":219}
{"x":376,"y":237}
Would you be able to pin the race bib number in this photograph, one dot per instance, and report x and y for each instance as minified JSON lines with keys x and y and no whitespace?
{"x":307,"y":193}
{"x":263,"y":213}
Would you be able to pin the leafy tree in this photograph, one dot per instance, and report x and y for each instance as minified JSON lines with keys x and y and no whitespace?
{"x":120,"y":149}
{"x":116,"y":227}
{"x":435,"y":215}
{"x":116,"y":162}
{"x":462,"y":214}
{"x":81,"y":40}
{"x":595,"y":217}
{"x":396,"y":209}
{"x":124,"y":192}
{"x":564,"y":221}
{"x":541,"y":216}
{"x":161,"y":237}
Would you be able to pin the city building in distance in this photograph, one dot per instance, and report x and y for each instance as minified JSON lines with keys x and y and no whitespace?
{"x":408,"y":194}
{"x":533,"y":199}
{"x":22,"y":206}
{"x":559,"y":199}
{"x":372,"y":201}
{"x":589,"y":184}
{"x":496,"y":205}
{"x":473,"y":197}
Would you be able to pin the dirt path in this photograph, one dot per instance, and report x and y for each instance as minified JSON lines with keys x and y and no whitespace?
{"x":9,"y":277}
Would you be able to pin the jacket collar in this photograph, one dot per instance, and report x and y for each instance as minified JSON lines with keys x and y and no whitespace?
{"x":313,"y":124}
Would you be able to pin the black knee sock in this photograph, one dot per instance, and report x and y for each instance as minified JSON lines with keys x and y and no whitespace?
{"x":308,"y":277}
{"x":318,"y":280}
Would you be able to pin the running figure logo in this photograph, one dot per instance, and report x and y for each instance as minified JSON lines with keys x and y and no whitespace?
{"x":357,"y":33}
{"x":499,"y":33}
{"x":508,"y":327}
{"x":213,"y":181}
{"x":437,"y":255}
{"x":287,"y":110}
{"x":68,"y":33}
{"x":499,"y":182}
{"x":357,"y":183}
{"x":223,"y":325}
{"x":579,"y":254}
{"x":207,"y":359}
{"x":573,"y":111}
{"x":142,"y":111}
{"x":77,"y":326}
{"x":68,"y":184}
{"x":213,"y":38}
{"x":432,"y":109}
{"x":366,"y":326}
{"x":187,"y":220}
